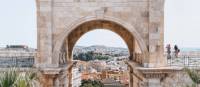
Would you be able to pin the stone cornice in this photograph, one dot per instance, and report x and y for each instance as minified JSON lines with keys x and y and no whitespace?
{"x":157,"y":72}
{"x":160,"y":72}
{"x":50,"y":71}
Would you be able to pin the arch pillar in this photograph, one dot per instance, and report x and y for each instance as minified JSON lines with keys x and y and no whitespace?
{"x":49,"y":77}
{"x":154,"y":76}
{"x":131,"y":78}
{"x":69,"y":76}
{"x":156,"y":34}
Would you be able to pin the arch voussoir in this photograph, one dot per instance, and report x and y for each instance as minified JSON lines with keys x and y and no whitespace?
{"x":126,"y":26}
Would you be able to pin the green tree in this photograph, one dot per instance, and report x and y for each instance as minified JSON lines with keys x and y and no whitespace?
{"x":8,"y":78}
{"x":13,"y":78}
{"x":91,"y":83}
{"x":194,"y":76}
{"x":90,"y":56}
{"x":26,"y":80}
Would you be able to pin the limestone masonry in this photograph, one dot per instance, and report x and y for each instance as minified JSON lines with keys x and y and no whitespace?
{"x":61,"y":23}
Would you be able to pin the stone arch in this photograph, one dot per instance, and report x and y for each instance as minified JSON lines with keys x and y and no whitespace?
{"x":62,"y":37}
{"x":92,"y":25}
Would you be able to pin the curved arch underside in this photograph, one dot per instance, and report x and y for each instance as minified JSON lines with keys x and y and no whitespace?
{"x":74,"y":35}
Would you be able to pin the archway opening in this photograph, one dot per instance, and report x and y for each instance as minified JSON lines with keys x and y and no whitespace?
{"x":128,"y":37}
{"x":103,"y":62}
{"x":133,"y":48}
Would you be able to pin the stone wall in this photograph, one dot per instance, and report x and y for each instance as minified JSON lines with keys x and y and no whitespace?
{"x":58,"y":18}
{"x":59,"y":26}
{"x":177,"y":79}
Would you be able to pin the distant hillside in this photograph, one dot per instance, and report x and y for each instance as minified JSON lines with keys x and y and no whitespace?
{"x":101,"y":49}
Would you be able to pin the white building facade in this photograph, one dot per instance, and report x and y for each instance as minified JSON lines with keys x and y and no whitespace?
{"x":76,"y":77}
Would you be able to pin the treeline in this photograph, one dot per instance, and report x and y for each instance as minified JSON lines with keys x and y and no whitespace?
{"x":90,"y":56}
{"x":91,"y":83}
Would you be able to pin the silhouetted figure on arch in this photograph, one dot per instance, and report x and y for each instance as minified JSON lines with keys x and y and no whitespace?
{"x":176,"y":50}
{"x":168,"y":51}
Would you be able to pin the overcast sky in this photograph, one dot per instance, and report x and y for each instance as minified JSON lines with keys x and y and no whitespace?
{"x":18,"y":25}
